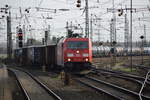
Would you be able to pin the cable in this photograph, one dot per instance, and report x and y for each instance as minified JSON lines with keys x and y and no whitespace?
{"x":40,"y":3}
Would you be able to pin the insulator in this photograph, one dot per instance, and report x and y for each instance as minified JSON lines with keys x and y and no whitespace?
{"x":119,"y":10}
{"x":78,"y":1}
{"x":78,"y":5}
{"x":27,"y":10}
{"x":3,"y":16}
{"x":6,"y":6}
{"x":119,"y":14}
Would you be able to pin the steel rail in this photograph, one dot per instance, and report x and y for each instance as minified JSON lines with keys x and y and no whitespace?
{"x":121,"y":73}
{"x":145,"y":68}
{"x":99,"y":89}
{"x":118,"y":87}
{"x":147,"y":76}
{"x":121,"y":77}
{"x":27,"y":97}
{"x":51,"y":93}
{"x":141,"y":66}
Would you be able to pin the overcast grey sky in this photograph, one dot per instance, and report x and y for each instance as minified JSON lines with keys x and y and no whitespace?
{"x":75,"y":15}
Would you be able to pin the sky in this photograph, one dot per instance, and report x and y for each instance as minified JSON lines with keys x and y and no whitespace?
{"x":36,"y":24}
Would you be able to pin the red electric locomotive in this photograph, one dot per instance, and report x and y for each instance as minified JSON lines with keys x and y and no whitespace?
{"x":70,"y":53}
{"x":74,"y":53}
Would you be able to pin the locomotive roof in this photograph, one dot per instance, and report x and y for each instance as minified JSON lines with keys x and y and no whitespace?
{"x":81,"y":39}
{"x":62,"y":40}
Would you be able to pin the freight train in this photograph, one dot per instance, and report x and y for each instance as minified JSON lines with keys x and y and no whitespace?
{"x":71,"y":53}
{"x":104,"y":51}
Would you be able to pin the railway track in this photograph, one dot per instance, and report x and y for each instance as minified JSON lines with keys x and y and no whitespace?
{"x":134,"y":78}
{"x":120,"y":73}
{"x":88,"y":91}
{"x":117,"y":93}
{"x":108,"y":89}
{"x":33,"y":89}
{"x":141,"y":66}
{"x":99,"y":89}
{"x":145,"y":68}
{"x":121,"y":81}
{"x":112,"y":90}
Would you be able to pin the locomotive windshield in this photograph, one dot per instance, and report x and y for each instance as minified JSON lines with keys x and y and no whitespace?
{"x":77,"y":44}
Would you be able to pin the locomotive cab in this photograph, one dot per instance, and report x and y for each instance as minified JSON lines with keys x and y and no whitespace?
{"x":75,"y":53}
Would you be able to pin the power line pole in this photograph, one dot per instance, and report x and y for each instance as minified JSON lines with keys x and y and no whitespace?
{"x":91,"y":27}
{"x":98,"y":20}
{"x":71,"y":25}
{"x":113,"y":40}
{"x":9,"y":37}
{"x":112,"y":32}
{"x":145,"y":44}
{"x":114,"y":23}
{"x":99,"y":24}
{"x":86,"y":16}
{"x":46,"y":37}
{"x":126,"y":34}
{"x":131,"y":11}
{"x":49,"y":30}
{"x":86,"y":19}
{"x":131,"y":34}
{"x":24,"y":34}
{"x":46,"y":62}
{"x":67,"y":27}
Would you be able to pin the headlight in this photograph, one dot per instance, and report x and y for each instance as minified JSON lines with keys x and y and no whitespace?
{"x":86,"y":59}
{"x":77,"y":51}
{"x":85,"y":54}
{"x":69,"y":55}
{"x":69,"y":59}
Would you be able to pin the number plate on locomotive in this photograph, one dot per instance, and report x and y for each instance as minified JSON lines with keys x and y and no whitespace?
{"x":77,"y":55}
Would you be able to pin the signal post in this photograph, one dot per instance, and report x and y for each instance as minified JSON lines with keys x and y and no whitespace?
{"x":20,"y":38}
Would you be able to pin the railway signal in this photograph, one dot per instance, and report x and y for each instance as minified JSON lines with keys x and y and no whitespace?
{"x":20,"y":34}
{"x":142,"y":37}
{"x":142,"y":48}
{"x":20,"y":38}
